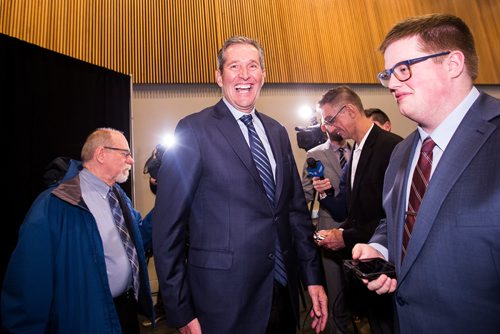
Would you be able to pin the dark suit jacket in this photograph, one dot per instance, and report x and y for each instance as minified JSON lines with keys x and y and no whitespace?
{"x":449,"y":281}
{"x":214,"y":229}
{"x":363,"y":202}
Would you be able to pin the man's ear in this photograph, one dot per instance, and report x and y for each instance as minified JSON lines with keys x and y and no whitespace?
{"x":323,"y":127}
{"x":351,"y":110}
{"x":218,"y":78}
{"x":99,"y":154}
{"x":455,"y":63}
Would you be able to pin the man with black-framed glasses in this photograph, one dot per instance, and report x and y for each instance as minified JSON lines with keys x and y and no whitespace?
{"x":442,"y":186}
{"x":359,"y":200}
{"x":402,"y":70}
{"x":123,"y":151}
{"x":79,"y":265}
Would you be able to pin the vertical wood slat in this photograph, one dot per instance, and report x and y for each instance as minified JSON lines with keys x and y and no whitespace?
{"x":176,"y":41}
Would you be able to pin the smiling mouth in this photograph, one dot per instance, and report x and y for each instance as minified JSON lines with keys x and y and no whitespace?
{"x":243,"y":88}
{"x":400,"y":96}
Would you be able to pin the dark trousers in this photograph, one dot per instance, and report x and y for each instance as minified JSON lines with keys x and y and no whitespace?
{"x":377,"y":308}
{"x":381,"y":314}
{"x":126,"y":307}
{"x":281,"y":320}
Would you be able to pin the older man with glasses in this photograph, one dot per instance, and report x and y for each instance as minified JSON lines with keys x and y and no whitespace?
{"x":79,"y":265}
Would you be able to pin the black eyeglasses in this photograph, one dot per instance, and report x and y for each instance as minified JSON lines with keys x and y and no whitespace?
{"x":331,"y":120}
{"x":126,"y":153}
{"x":402,"y":70}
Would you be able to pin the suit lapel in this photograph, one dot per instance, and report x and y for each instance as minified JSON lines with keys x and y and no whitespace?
{"x":273,"y":135}
{"x":333,"y":163}
{"x":365,"y":156}
{"x":399,"y":195}
{"x":229,"y":128}
{"x":469,"y":137}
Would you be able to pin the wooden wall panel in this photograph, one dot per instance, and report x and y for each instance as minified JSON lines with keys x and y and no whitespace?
{"x":176,"y":41}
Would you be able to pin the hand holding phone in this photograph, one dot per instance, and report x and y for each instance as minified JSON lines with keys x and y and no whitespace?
{"x":371,"y":269}
{"x":317,"y":236}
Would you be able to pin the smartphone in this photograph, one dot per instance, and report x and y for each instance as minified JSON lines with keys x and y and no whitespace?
{"x":371,"y":269}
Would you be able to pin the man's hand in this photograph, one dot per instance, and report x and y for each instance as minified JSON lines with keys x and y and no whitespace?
{"x":319,"y":311}
{"x":382,"y":284}
{"x":333,"y":239}
{"x":193,"y":327}
{"x":321,"y":185}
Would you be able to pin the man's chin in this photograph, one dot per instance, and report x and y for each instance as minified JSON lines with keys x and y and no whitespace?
{"x":122,"y":178}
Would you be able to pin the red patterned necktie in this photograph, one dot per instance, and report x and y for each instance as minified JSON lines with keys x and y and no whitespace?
{"x":419,"y":184}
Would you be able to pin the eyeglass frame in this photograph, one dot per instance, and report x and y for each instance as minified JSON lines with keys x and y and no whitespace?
{"x":126,"y":153}
{"x":408,"y":63}
{"x":331,"y":121}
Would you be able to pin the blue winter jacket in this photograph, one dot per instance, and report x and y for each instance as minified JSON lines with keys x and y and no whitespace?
{"x":56,"y":281}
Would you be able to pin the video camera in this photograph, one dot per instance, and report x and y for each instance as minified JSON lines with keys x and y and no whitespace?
{"x":310,"y":136}
{"x":152,"y":166}
{"x":153,"y":163}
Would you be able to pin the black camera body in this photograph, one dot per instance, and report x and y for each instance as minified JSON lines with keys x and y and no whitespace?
{"x":154,"y":161}
{"x":310,"y":136}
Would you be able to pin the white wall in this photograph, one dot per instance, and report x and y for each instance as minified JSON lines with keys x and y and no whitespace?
{"x":156,"y":109}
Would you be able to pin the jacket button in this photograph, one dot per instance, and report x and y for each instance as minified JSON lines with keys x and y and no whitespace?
{"x":270,"y":256}
{"x":400,"y":301}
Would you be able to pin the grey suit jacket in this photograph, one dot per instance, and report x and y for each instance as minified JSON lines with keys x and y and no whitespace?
{"x":330,"y":160}
{"x":449,"y":281}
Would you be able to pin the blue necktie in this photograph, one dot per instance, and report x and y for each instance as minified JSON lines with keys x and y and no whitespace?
{"x":127,"y":241}
{"x":266,"y":174}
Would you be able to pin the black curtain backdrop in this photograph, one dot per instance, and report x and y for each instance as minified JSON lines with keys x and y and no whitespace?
{"x":49,"y":104}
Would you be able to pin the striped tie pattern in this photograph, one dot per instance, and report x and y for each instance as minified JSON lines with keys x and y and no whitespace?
{"x":264,"y":168}
{"x":342,"y":157}
{"x":127,"y":241}
{"x":419,"y":184}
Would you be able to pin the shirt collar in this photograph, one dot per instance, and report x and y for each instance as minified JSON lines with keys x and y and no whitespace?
{"x":235,"y":112}
{"x":335,"y":147}
{"x":362,"y":143}
{"x":101,"y":187}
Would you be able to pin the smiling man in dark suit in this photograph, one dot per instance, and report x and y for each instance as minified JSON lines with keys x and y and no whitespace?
{"x":231,"y":230}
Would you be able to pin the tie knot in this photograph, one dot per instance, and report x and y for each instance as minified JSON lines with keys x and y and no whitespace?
{"x":341,"y":149}
{"x":112,"y":198}
{"x":246,"y":119}
{"x":428,"y":145}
